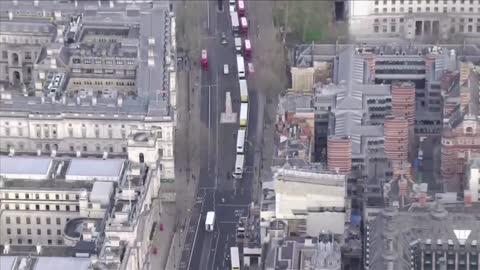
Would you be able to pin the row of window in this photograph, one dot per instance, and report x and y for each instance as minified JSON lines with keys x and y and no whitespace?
{"x":27,"y":55}
{"x":427,"y":9}
{"x":100,"y":83}
{"x":393,"y":29}
{"x":25,"y":40}
{"x":29,"y":241}
{"x":45,"y":208}
{"x":401,"y":2}
{"x":28,"y":220}
{"x":45,"y":196}
{"x":100,"y":61}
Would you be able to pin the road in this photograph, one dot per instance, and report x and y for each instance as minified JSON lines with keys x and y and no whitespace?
{"x":208,"y":250}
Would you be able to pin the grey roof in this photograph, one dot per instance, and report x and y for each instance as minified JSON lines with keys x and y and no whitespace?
{"x":404,"y":229}
{"x":25,"y":167}
{"x":95,"y":168}
{"x":144,"y":21}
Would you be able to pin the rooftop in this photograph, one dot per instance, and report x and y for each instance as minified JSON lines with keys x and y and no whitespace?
{"x":81,"y":169}
{"x":43,"y":263}
{"x":142,"y":32}
{"x":25,"y":167}
{"x":62,"y":173}
{"x":439,"y":228}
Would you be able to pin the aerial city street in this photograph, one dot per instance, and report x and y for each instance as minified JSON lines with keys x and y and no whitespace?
{"x":239,"y":134}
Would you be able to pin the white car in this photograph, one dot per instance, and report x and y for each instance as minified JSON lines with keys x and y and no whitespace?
{"x":225,"y":69}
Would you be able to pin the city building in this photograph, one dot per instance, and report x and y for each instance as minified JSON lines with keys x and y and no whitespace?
{"x":422,"y":20}
{"x":309,"y":202}
{"x":87,"y":121}
{"x":435,"y":236}
{"x":295,"y":128}
{"x":77,"y":77}
{"x":304,"y":253}
{"x":461,"y":126}
{"x":82,"y":207}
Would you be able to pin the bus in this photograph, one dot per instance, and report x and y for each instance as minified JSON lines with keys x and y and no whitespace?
{"x":244,"y":25}
{"x":235,"y":258}
{"x":240,"y":67}
{"x":241,"y":141}
{"x":241,"y":8}
{"x":235,"y":23}
{"x":243,"y":115}
{"x":243,"y":90}
{"x":204,"y":59}
{"x":248,"y":49}
{"x":239,"y":162}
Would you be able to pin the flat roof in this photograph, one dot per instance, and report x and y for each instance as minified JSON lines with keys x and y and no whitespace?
{"x":6,"y":262}
{"x":61,"y":263}
{"x":25,"y":167}
{"x":94,"y":168}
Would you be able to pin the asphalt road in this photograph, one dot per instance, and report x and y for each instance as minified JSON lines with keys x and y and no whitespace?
{"x":208,"y":250}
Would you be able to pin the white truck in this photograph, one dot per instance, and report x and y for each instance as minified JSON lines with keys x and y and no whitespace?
{"x":210,"y":221}
{"x":238,"y":45}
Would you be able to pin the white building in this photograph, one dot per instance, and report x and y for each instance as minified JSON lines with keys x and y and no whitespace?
{"x":430,"y":20}
{"x":78,"y":81}
{"x":473,"y":177}
{"x":311,"y":203}
{"x":99,"y":208}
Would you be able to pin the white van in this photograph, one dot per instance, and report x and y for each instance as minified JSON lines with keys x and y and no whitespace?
{"x":225,"y":69}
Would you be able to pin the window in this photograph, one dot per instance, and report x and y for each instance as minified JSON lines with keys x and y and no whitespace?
{"x":376,"y":10}
{"x":376,"y":3}
{"x":393,"y":28}
{"x":67,"y":208}
{"x":29,"y":241}
{"x":28,"y":220}
{"x":109,"y":62}
{"x":77,"y":208}
{"x":17,"y":196}
{"x":17,"y":207}
{"x":47,"y":207}
{"x":19,"y":241}
{"x":470,"y":28}
{"x":7,"y":220}
{"x":98,"y":61}
{"x":393,"y":10}
{"x":60,"y":241}
{"x":37,"y":207}
{"x":76,"y":60}
{"x":39,"y":231}
{"x":419,"y":9}
{"x":18,"y":221}
{"x":47,"y":197}
{"x":58,"y":221}
{"x":59,"y":232}
{"x":87,"y":61}
{"x":384,"y":10}
{"x":49,"y":241}
{"x":29,"y":231}
{"x":49,"y":232}
{"x":9,"y":231}
{"x":119,"y":62}
{"x":19,"y":231}
{"x":57,"y":197}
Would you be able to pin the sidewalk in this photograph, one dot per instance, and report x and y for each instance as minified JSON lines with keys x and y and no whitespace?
{"x":162,"y":240}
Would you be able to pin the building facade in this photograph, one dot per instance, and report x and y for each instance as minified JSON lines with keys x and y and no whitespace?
{"x":73,"y":82}
{"x":422,"y":20}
